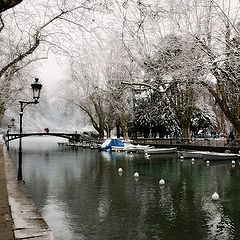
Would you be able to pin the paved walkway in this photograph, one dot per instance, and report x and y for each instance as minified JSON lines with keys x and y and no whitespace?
{"x":24,"y":222}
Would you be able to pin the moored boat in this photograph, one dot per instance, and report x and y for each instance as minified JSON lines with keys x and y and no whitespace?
{"x":118,"y":148}
{"x":160,"y":150}
{"x":112,"y":142}
{"x":193,"y":154}
{"x":137,"y":148}
{"x":220,"y":156}
{"x":130,"y":148}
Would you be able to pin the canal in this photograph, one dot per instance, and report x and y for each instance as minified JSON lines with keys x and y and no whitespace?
{"x":81,"y":195}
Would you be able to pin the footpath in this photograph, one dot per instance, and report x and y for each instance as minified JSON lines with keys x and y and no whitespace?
{"x":19,"y":217}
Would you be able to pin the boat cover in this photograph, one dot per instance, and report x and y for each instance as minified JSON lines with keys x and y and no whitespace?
{"x":107,"y":145}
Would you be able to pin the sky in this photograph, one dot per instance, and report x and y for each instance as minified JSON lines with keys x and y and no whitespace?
{"x":50,"y":73}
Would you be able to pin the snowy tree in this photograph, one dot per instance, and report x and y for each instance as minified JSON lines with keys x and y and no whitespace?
{"x":153,"y":116}
{"x":176,"y":65}
{"x":30,"y":31}
{"x":211,"y":28}
{"x":95,"y":87}
{"x":221,"y":47}
{"x":84,"y":92}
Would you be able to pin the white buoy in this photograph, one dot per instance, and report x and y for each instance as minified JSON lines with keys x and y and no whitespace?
{"x":215,"y":197}
{"x":136,"y":174}
{"x":147,"y":155}
{"x":120,"y":170}
{"x":181,"y":157}
{"x":192,"y":160}
{"x":161,"y":182}
{"x":207,"y":162}
{"x":233,"y":162}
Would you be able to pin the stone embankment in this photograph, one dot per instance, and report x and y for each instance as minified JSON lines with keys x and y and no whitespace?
{"x":6,"y":226}
{"x":21,"y":218}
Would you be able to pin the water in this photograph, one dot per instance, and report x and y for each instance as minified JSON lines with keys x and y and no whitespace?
{"x":81,"y":195}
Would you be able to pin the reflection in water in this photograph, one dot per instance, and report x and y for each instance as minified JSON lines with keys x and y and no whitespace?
{"x":219,"y":224}
{"x":107,"y":156}
{"x":56,"y":212}
{"x":46,"y":156}
{"x":82,"y":195}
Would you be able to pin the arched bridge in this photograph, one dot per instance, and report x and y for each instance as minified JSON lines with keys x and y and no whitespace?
{"x":76,"y":137}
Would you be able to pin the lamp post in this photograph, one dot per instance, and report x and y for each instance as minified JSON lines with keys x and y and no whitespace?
{"x":8,"y":131}
{"x":36,"y":88}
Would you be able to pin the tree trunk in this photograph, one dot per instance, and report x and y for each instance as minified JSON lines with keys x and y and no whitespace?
{"x":118,"y":130}
{"x":101,"y":133}
{"x":186,"y":133}
{"x":125,"y":133}
{"x":123,"y":124}
{"x":237,"y":132}
{"x":2,"y":110}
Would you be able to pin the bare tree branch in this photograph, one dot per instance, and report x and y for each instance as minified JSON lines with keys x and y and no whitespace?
{"x":23,"y":55}
{"x":145,"y":85}
{"x":2,"y":23}
{"x":7,"y":4}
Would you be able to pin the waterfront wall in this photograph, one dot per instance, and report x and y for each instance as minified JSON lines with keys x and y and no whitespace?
{"x":27,"y":221}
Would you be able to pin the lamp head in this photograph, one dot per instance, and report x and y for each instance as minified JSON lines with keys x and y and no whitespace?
{"x":36,"y":87}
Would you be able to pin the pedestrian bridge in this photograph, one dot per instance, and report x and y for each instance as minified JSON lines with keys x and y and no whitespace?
{"x":72,"y":137}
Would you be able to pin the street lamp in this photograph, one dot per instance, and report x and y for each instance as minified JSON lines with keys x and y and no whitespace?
{"x":8,"y":131}
{"x":36,"y":88}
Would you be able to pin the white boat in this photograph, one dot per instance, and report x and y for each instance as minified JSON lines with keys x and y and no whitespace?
{"x":193,"y":154}
{"x":137,"y":148}
{"x":160,"y":150}
{"x":220,"y":156}
{"x":118,"y":149}
{"x":130,"y":148}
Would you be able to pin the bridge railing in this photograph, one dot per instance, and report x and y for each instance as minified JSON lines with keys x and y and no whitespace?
{"x":72,"y":137}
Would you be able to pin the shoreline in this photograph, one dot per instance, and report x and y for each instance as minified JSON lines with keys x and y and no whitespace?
{"x":27,"y":222}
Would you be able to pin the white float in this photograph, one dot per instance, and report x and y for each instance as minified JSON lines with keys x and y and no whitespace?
{"x":161,"y":182}
{"x":136,"y":174}
{"x":215,"y":197}
{"x":147,"y":155}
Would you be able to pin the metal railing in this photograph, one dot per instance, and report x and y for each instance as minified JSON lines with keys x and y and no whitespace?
{"x":208,"y":143}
